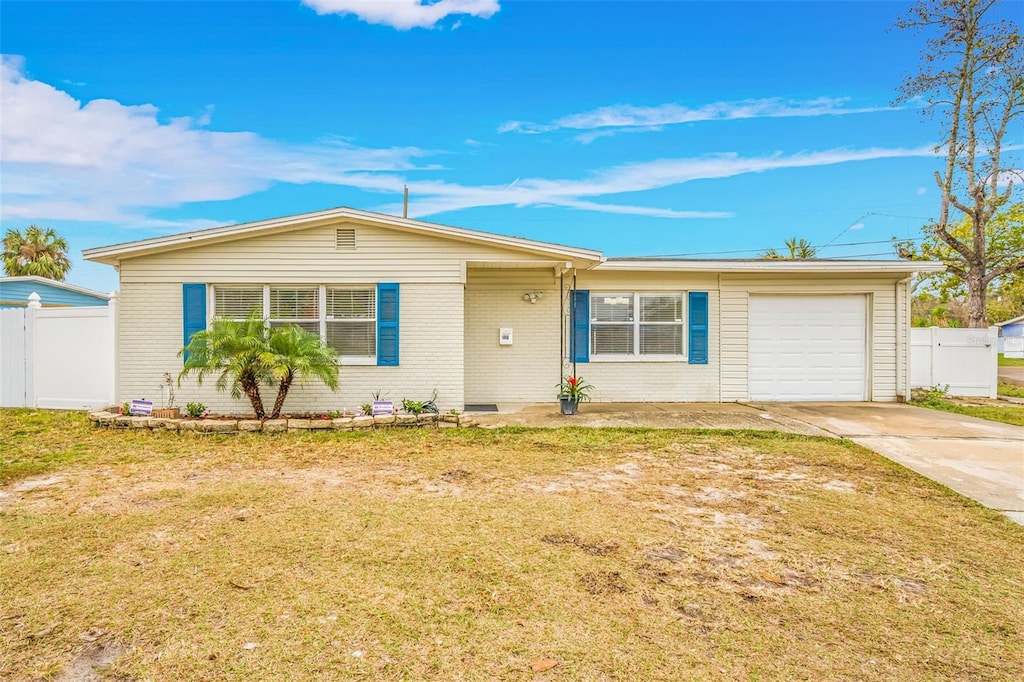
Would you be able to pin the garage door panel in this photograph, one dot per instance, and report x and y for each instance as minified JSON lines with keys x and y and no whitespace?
{"x":807,"y":347}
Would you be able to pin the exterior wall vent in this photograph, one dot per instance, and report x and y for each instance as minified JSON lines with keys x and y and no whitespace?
{"x":345,"y":239}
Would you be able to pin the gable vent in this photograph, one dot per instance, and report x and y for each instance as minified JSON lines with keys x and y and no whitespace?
{"x":345,"y":239}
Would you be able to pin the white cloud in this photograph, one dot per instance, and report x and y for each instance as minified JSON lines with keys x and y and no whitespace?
{"x":921,"y":191}
{"x":103,"y":160}
{"x":858,"y":226}
{"x":627,"y":118}
{"x":431,"y":197}
{"x":406,"y":14}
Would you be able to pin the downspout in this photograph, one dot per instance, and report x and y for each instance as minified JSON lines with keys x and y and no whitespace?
{"x":903,"y":342}
{"x":572,"y":324}
{"x":561,"y":327}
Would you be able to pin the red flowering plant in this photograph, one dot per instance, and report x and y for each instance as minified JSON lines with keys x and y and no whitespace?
{"x":575,"y":389}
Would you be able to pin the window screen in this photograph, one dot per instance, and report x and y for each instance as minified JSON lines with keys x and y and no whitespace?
{"x":237,"y":303}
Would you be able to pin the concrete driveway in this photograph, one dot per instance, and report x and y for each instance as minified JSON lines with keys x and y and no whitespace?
{"x":981,"y":459}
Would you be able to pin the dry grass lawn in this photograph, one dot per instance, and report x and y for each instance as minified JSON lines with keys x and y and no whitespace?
{"x":475,"y":554}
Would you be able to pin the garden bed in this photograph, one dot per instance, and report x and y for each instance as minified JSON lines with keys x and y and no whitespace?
{"x":223,"y":424}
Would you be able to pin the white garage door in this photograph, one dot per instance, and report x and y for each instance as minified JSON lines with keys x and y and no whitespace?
{"x":807,"y":348}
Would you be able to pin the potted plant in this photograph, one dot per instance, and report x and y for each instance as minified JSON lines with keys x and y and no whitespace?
{"x":573,"y":391}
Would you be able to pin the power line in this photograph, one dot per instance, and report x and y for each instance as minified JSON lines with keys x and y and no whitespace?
{"x":846,"y":229}
{"x":723,"y":253}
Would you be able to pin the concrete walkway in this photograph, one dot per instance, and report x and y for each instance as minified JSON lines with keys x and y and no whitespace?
{"x":652,"y":415}
{"x":981,"y":459}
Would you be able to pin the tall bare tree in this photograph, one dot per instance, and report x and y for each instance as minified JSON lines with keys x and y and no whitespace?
{"x":972,"y":79}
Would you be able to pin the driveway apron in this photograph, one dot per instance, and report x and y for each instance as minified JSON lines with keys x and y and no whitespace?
{"x":981,"y":459}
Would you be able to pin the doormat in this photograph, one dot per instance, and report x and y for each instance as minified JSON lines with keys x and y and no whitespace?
{"x":480,"y":407}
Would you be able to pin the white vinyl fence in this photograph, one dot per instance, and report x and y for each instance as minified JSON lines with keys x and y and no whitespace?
{"x":965,"y":360}
{"x":57,"y":357}
{"x":1012,"y":346}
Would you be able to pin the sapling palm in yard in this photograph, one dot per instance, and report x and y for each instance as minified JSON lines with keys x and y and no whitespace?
{"x":245,"y":354}
{"x":295,"y":353}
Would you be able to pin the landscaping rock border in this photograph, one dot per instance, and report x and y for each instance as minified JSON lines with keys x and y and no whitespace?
{"x":109,"y":419}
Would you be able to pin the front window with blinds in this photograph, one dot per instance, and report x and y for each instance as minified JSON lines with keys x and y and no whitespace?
{"x":351,"y":323}
{"x":295,"y":305}
{"x":237,"y":303}
{"x":633,"y":324}
{"x":344,"y":317}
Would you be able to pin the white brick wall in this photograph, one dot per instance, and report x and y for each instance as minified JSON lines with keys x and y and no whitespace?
{"x":528,"y":370}
{"x":431,"y":333}
{"x":656,"y":381}
{"x":659,"y":381}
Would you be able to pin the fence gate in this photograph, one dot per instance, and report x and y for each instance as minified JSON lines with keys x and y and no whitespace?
{"x":965,"y":360}
{"x":12,"y":357}
{"x":57,"y":357}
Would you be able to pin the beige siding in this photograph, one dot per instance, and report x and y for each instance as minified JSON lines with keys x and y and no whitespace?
{"x":310,"y":256}
{"x":882,"y":325}
{"x":641,"y":381}
{"x":431,"y":352}
{"x":528,"y":370}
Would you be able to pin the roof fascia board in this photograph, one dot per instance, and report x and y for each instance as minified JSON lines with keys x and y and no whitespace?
{"x":725,"y":266}
{"x":53,"y":283}
{"x":112,"y":254}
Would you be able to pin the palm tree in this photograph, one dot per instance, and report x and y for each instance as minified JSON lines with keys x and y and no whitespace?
{"x":40,"y":252}
{"x":295,"y":353}
{"x":234,"y":349}
{"x":246,"y":354}
{"x":799,"y":249}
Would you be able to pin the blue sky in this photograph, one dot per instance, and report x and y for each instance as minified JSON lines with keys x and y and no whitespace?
{"x":636,"y":128}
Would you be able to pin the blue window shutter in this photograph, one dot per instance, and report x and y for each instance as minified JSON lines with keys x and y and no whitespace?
{"x":193,"y":310}
{"x":387,"y":325}
{"x":579,"y":336}
{"x":698,"y":337}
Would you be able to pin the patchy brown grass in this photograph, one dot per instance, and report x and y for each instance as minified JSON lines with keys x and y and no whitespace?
{"x":619,"y":554}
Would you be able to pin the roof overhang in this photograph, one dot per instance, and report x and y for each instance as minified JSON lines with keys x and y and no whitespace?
{"x":54,"y":283}
{"x":113,"y":254}
{"x":770,"y":266}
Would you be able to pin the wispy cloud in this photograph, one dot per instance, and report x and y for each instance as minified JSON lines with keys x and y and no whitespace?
{"x":406,"y":14}
{"x":627,"y":118}
{"x":62,"y":159}
{"x":432,"y":197}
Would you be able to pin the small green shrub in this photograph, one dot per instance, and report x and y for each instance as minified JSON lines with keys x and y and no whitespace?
{"x":366,"y":409}
{"x":412,"y":406}
{"x":195,"y":410}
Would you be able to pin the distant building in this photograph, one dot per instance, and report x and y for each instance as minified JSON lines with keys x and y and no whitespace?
{"x":14,"y":293}
{"x":1011,"y":337}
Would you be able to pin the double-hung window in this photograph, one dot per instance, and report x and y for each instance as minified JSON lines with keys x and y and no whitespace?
{"x":295,"y":305}
{"x":237,"y":303}
{"x":350,"y":324}
{"x":634,"y":325}
{"x":344,"y":317}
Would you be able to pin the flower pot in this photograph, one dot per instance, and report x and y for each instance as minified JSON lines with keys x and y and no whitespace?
{"x":569,"y":406}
